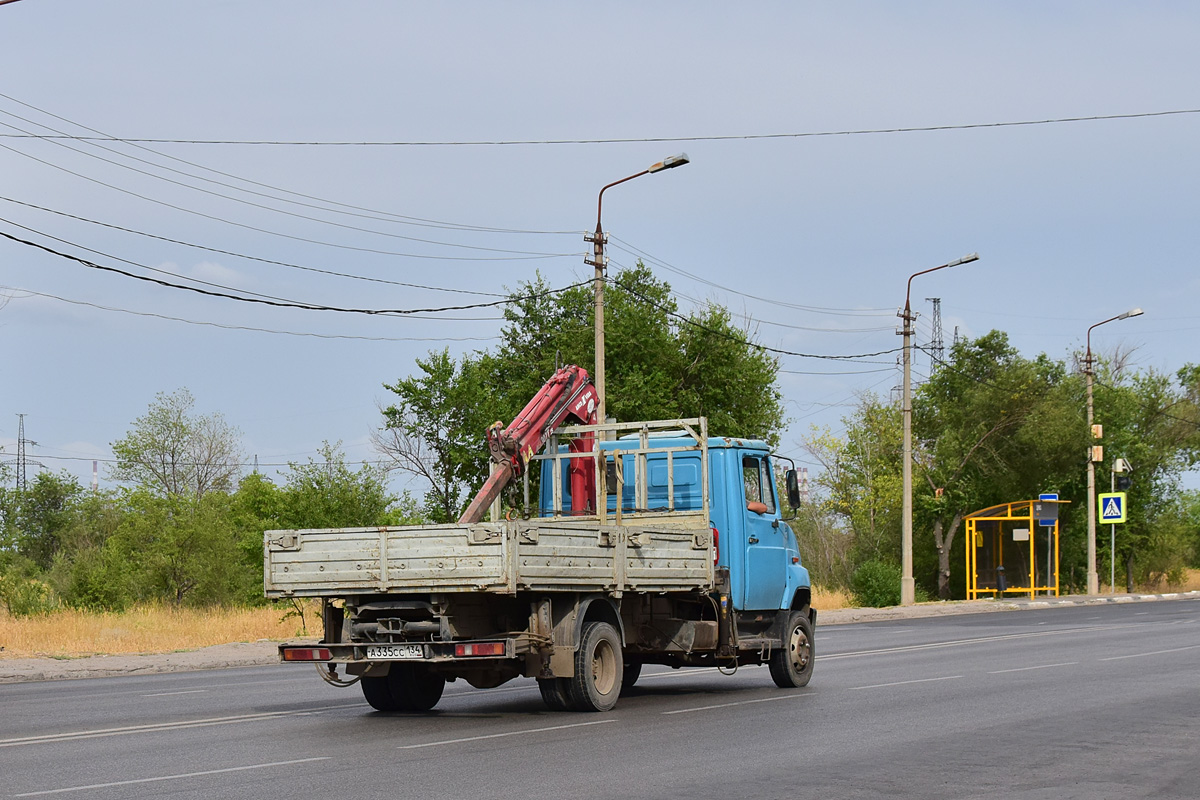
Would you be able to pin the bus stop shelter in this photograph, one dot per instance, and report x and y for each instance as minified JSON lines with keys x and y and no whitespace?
{"x":1012,"y":548}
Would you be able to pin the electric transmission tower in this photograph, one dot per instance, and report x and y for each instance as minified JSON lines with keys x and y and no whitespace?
{"x":937,"y":346}
{"x":22,"y":460}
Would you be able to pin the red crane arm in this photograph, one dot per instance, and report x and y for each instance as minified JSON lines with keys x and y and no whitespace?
{"x":568,"y":394}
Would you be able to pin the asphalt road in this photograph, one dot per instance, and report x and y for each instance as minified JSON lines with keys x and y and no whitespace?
{"x":1088,"y":701}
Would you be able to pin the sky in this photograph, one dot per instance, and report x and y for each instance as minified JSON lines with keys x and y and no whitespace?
{"x":785,"y":214}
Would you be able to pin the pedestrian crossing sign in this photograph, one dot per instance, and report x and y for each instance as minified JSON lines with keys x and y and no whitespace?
{"x":1112,"y":507}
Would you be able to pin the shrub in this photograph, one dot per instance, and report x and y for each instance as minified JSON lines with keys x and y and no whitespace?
{"x":876,"y":584}
{"x":25,"y":596}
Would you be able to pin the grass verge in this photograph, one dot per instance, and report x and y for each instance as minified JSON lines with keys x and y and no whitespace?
{"x":147,"y":629}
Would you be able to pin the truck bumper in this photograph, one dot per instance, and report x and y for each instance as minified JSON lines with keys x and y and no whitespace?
{"x":425,"y":652}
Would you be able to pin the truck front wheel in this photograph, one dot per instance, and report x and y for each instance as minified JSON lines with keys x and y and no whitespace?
{"x":792,"y":665}
{"x":598,"y":667}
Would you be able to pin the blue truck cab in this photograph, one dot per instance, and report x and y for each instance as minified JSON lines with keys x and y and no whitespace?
{"x":752,"y":542}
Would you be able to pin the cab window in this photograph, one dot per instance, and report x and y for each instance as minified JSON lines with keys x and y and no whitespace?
{"x":756,"y":478}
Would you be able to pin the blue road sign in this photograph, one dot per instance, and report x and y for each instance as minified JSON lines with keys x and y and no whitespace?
{"x":1049,"y":523}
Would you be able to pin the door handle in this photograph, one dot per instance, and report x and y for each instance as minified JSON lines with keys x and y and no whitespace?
{"x":753,"y":540}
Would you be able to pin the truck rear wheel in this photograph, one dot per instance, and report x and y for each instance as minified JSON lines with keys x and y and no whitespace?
{"x":556,"y":693}
{"x":415,"y":687}
{"x":378,"y":693}
{"x":792,"y":665}
{"x":629,"y":676}
{"x":598,"y":667}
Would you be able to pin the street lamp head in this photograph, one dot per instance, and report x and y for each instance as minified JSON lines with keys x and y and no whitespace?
{"x":670,"y":162}
{"x":1136,"y":312}
{"x":964,"y":260}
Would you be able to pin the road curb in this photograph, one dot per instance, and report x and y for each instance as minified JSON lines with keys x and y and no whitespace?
{"x":850,"y":616}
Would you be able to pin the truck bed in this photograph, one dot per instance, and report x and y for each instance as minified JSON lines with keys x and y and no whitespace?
{"x":673,"y":553}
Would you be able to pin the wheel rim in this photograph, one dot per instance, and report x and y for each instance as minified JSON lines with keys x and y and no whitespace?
{"x":800,"y":649}
{"x":604,"y":667}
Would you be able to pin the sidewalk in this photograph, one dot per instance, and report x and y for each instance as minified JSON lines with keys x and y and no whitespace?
{"x":263,"y":653}
{"x":847,"y":616}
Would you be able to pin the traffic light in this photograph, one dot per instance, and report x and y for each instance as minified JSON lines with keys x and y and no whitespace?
{"x":1123,"y":483}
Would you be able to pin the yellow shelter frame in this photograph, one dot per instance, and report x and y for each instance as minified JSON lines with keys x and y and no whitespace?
{"x":1008,"y":554}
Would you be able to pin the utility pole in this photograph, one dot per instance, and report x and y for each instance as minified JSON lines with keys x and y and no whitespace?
{"x":1089,"y":370}
{"x":600,"y":262}
{"x":907,"y":582}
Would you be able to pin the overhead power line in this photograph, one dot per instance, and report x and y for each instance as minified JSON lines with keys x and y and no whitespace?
{"x":742,"y":340}
{"x":269,"y":232}
{"x":269,"y":302}
{"x":385,"y":215}
{"x":623,"y":140}
{"x":621,"y":244}
{"x":28,"y":292}
{"x":248,"y":257}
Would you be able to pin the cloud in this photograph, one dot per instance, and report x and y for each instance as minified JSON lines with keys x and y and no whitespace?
{"x":217,"y":273}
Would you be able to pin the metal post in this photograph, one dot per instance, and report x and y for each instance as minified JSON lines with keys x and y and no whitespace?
{"x":908,"y":594}
{"x":598,"y":378}
{"x":1112,"y":541}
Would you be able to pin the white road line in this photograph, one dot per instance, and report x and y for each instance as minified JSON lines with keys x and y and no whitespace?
{"x":70,"y":736}
{"x":904,"y":683}
{"x":181,"y":776}
{"x":1040,"y":666}
{"x":1154,"y":653}
{"x":984,"y":639}
{"x":499,"y":735}
{"x":170,"y":694}
{"x":738,"y":703}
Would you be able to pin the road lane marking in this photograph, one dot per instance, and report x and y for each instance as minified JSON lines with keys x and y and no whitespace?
{"x":905,"y":683}
{"x":985,"y":639}
{"x":156,"y":727}
{"x":1040,"y":666}
{"x":172,"y":777}
{"x":499,"y":735}
{"x":738,"y":703}
{"x":1154,"y":653}
{"x":171,"y":694}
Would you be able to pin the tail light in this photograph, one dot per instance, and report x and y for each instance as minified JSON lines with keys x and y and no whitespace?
{"x":478,"y":649}
{"x":716,"y":546}
{"x":307,"y":654}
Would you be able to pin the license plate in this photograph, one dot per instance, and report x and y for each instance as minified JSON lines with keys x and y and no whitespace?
{"x":384,"y":652}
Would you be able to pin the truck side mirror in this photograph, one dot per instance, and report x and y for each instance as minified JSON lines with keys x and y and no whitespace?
{"x":793,"y":489}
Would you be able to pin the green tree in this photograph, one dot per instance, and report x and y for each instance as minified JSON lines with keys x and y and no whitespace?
{"x":660,"y":364}
{"x":435,"y":429}
{"x":326,"y":493}
{"x":46,"y":508}
{"x":181,"y":549}
{"x":861,"y":473}
{"x":990,"y":426}
{"x":172,"y":451}
{"x":1149,"y":419}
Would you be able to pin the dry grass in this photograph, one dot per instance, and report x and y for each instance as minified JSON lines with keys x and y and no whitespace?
{"x":1190,"y":583}
{"x":828,"y":599}
{"x":152,"y":629}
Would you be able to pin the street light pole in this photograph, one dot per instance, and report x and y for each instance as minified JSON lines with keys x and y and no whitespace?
{"x":1093,"y":579}
{"x":598,"y":260}
{"x":908,"y":587}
